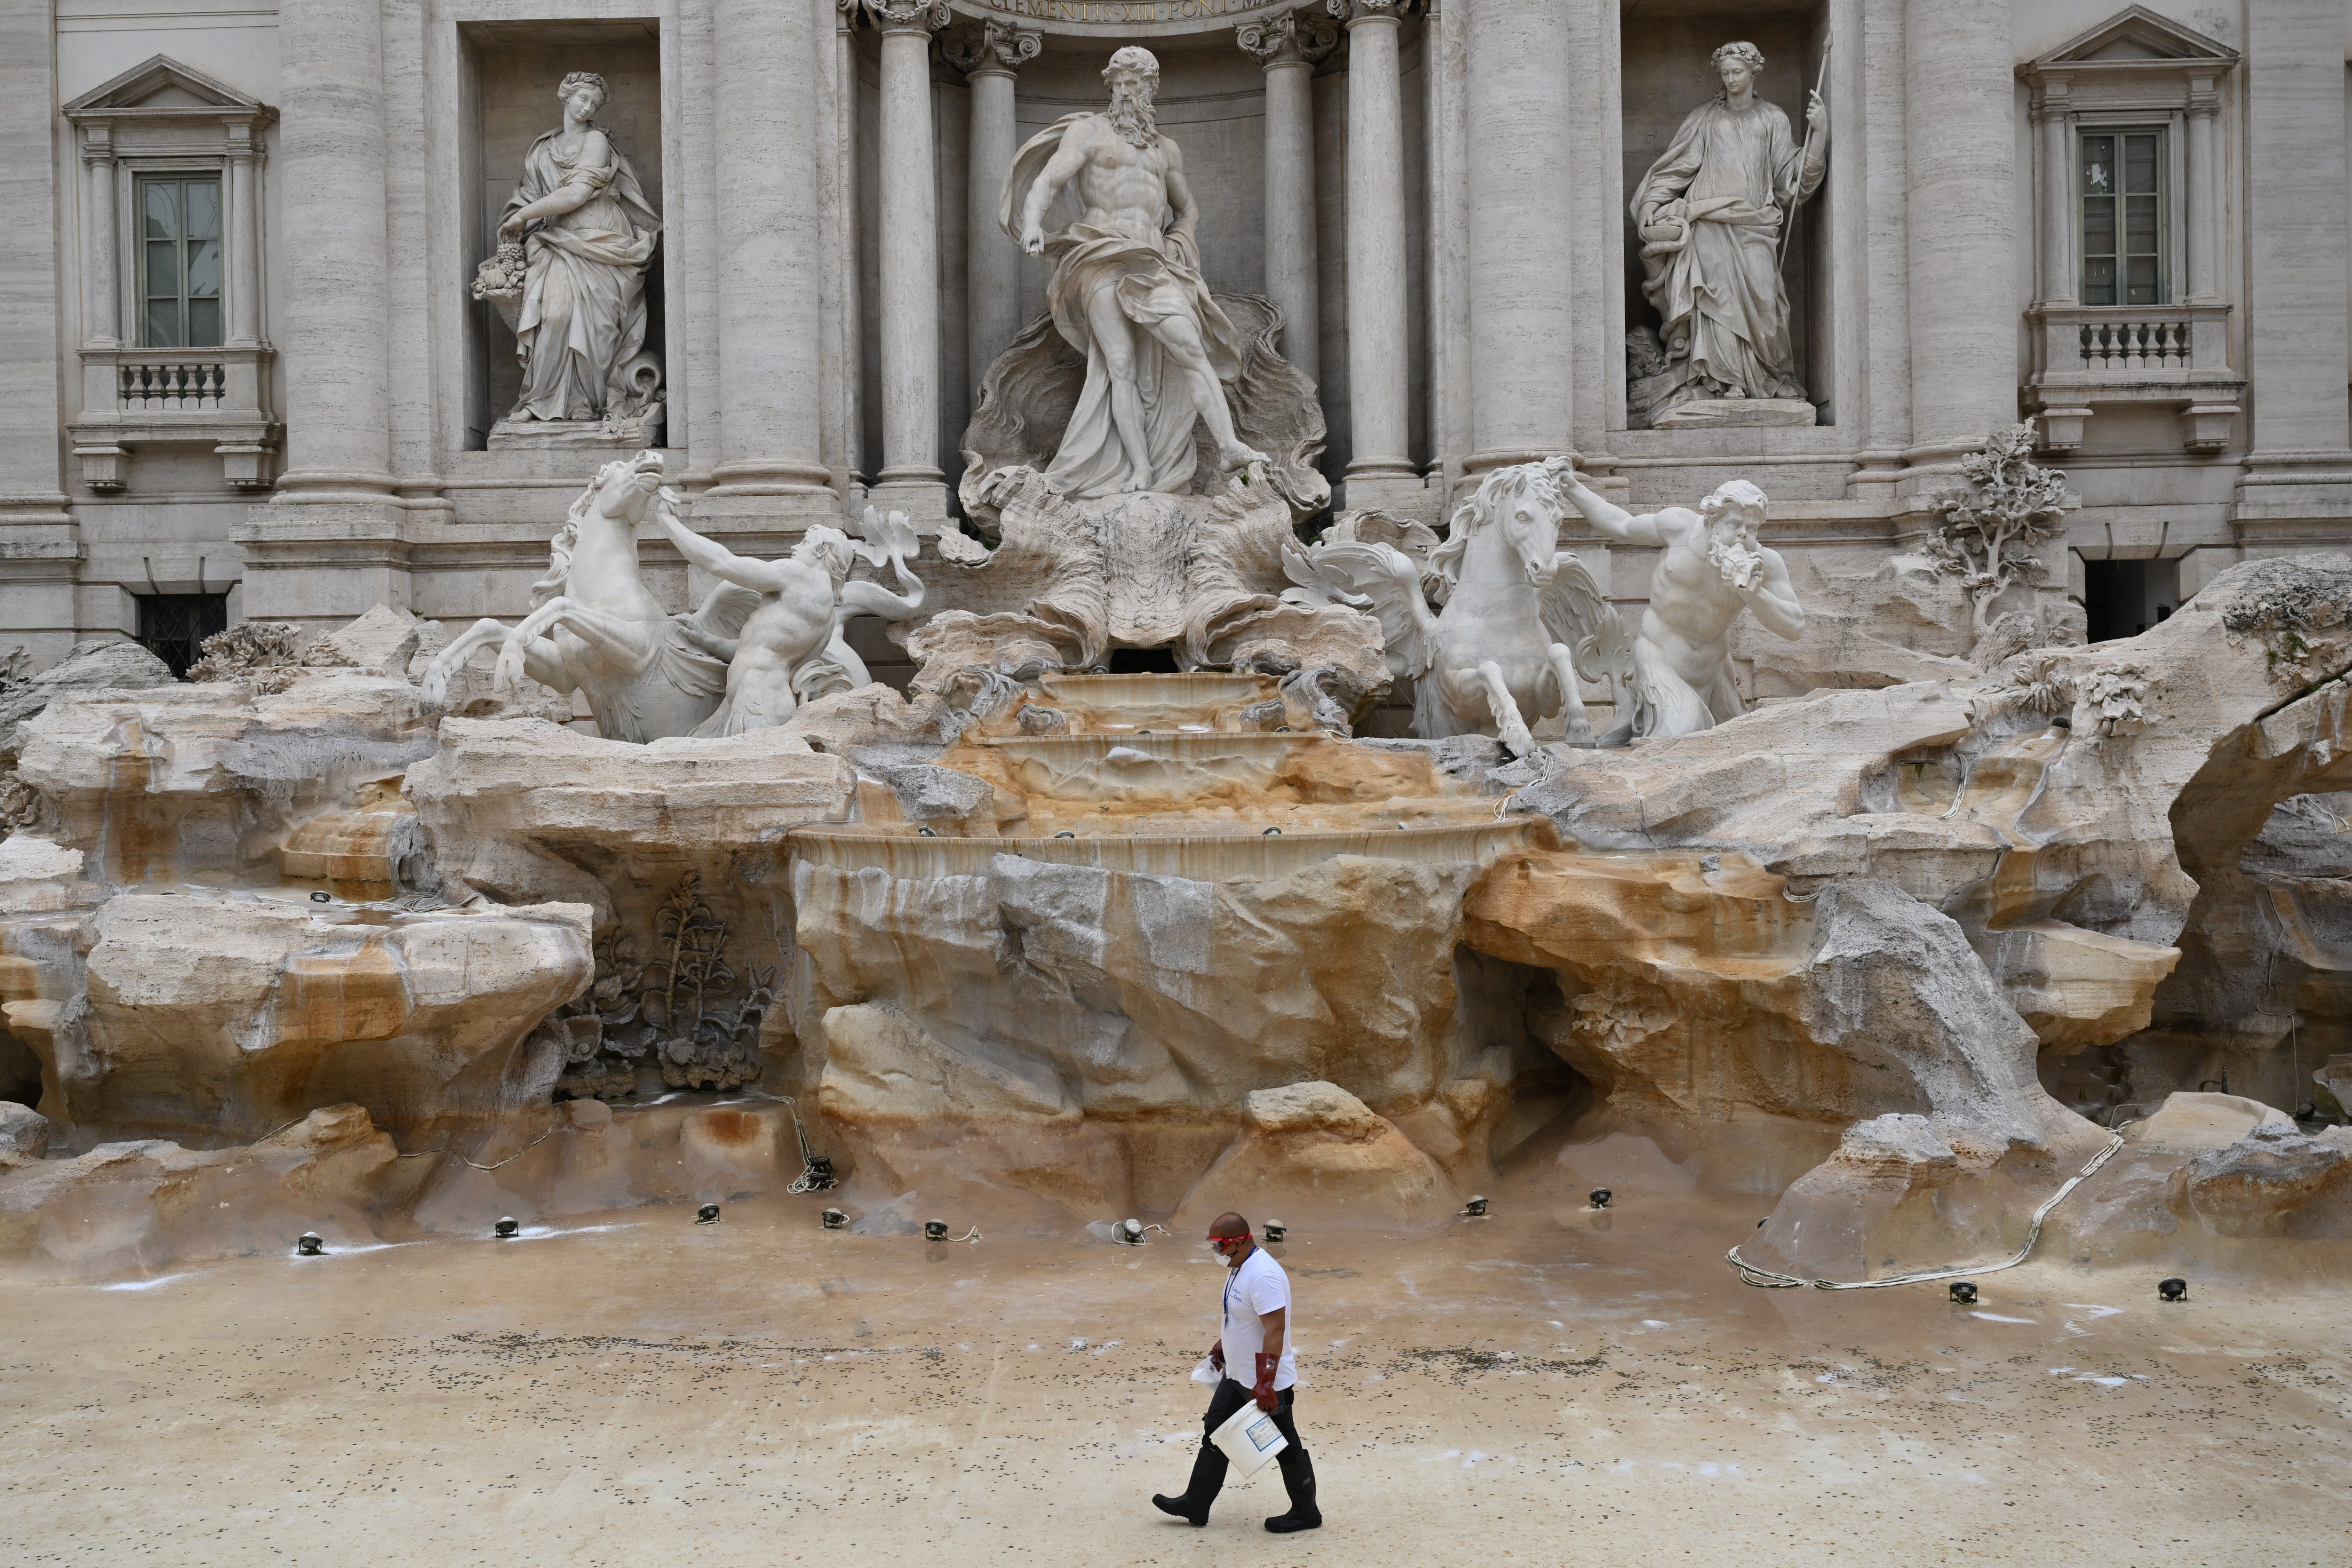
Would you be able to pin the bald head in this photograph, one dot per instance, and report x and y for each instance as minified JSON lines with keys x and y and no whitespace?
{"x":1229,"y":1224}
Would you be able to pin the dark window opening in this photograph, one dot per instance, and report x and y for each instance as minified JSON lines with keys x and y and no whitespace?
{"x":173,"y":626}
{"x":2124,"y":598}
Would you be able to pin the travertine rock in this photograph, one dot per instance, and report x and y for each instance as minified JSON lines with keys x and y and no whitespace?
{"x":148,"y":1204}
{"x":157,"y":785}
{"x":1151,"y":995}
{"x":1313,"y":1155}
{"x":93,"y":665}
{"x":24,"y":1135}
{"x":2199,"y":1123}
{"x":678,"y":849}
{"x":2264,"y":1184}
{"x":214,"y":1017}
{"x":524,"y":810}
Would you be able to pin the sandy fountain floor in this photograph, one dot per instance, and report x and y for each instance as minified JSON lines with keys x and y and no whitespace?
{"x":1528,"y":1389}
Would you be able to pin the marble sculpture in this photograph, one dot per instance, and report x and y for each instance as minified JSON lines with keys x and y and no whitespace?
{"x":1525,"y":627}
{"x":1503,"y":651}
{"x":1127,"y":291}
{"x":1712,"y":212}
{"x":791,"y":649}
{"x":768,"y":637}
{"x":1711,"y":568}
{"x":569,"y":277}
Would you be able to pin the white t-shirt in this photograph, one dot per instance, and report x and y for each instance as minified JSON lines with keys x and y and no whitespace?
{"x":1258,"y":1286}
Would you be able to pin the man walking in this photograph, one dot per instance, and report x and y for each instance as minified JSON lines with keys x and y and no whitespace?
{"x":1254,"y":1336}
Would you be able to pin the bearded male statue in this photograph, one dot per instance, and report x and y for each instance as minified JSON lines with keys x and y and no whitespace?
{"x":1710,"y":569}
{"x":1127,"y":291}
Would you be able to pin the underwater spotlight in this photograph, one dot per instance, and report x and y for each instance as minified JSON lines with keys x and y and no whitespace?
{"x":1276,"y":1229}
{"x":1065,"y":833}
{"x":1964,"y":1293}
{"x":2173,"y":1289}
{"x":707,"y":1214}
{"x":817,"y":1172}
{"x":1475,"y":1208}
{"x":1600,"y":1197}
{"x":924,"y":833}
{"x":1271,"y":833}
{"x":835,"y":1219}
{"x":318,"y":898}
{"x":935,"y":1230}
{"x":508,"y":1228}
{"x":309,"y":1245}
{"x":1129,"y":1232}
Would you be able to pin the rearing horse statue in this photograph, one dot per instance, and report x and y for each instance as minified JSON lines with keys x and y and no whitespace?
{"x":596,"y":629}
{"x":1521,"y":621}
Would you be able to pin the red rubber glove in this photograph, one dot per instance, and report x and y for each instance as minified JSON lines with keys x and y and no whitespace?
{"x":1217,"y":1355}
{"x":1267,"y":1366}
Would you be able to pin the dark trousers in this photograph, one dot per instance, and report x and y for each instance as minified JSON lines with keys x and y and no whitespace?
{"x":1209,"y":1468}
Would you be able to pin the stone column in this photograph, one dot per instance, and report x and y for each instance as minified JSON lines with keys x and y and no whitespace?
{"x":1961,"y":98}
{"x":909,"y":479}
{"x":1522,"y":313}
{"x":244,"y":239}
{"x":2297,"y":492}
{"x":1379,"y":461}
{"x":2204,"y":215}
{"x":769,"y":236}
{"x":1287,"y":46}
{"x":333,"y":543}
{"x":838,"y":343}
{"x":40,"y":548}
{"x":990,"y":56}
{"x":101,"y":292}
{"x":2054,"y":129}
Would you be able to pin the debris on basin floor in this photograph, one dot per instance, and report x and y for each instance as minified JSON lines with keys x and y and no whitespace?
{"x":1474,"y":1391}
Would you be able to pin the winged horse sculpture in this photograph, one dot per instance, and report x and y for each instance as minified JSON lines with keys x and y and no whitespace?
{"x":596,"y":628}
{"x":1523,"y":629}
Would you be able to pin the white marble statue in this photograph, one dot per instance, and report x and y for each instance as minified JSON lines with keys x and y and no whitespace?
{"x":596,"y":628}
{"x":1518,"y":615}
{"x":1127,"y":291}
{"x":1711,"y":213}
{"x":570,"y":277}
{"x":791,"y":649}
{"x":1711,"y":569}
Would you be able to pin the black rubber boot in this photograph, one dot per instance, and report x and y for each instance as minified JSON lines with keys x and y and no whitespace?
{"x":1299,"y":1480}
{"x":1208,"y":1480}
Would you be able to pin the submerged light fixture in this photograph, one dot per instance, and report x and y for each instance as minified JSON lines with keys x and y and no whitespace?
{"x":2173,"y":1289}
{"x":1600,"y":1198}
{"x":1276,"y":1230}
{"x":835,"y":1219}
{"x":309,"y":1245}
{"x":935,"y":1230}
{"x":1964,"y":1293}
{"x":508,"y":1228}
{"x":707,"y":1214}
{"x":1474,"y":1209}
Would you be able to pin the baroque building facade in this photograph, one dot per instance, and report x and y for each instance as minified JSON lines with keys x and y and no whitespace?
{"x":270,"y":332}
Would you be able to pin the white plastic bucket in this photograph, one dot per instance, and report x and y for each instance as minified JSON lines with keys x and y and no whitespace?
{"x":1250,"y":1438}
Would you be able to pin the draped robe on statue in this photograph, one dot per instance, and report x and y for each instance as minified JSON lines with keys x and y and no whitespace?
{"x":1152,"y":282}
{"x":1728,"y":179}
{"x":581,"y":327}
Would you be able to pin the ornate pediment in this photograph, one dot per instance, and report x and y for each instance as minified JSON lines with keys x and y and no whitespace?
{"x":2134,"y":38}
{"x":164,"y":89}
{"x":2134,"y":59}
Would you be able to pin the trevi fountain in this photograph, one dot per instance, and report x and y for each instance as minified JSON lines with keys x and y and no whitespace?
{"x":712,"y":717}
